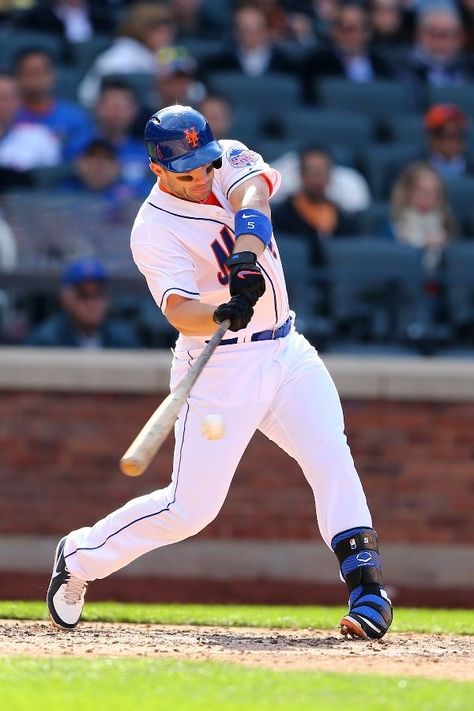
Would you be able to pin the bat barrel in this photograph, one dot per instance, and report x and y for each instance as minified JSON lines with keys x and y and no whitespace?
{"x":146,"y":444}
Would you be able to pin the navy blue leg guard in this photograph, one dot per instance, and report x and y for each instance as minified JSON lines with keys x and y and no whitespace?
{"x":370,"y":611}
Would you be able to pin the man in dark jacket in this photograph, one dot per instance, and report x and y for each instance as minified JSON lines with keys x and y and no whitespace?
{"x":253,"y":52}
{"x":82,"y":321}
{"x":437,"y":58}
{"x":348,"y":55}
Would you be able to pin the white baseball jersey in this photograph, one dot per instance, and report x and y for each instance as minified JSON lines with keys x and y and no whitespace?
{"x":181,"y":247}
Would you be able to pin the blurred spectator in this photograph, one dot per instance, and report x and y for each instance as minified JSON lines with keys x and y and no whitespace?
{"x":74,"y":20}
{"x":115,"y":113}
{"x":390,"y":23}
{"x":277,"y":18}
{"x":437,"y":58}
{"x":349,"y":55}
{"x":309,"y":212}
{"x":218,"y":112}
{"x":421,"y":215}
{"x":175,"y":79}
{"x":347,"y":187}
{"x":253,"y":51}
{"x":446,"y":130}
{"x":23,"y":146}
{"x":82,"y":321}
{"x":35,"y":74}
{"x":320,"y":13}
{"x":189,"y":19}
{"x":146,"y":28}
{"x":97,"y":171}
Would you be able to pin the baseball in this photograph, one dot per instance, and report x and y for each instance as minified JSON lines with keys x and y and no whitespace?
{"x":213,"y":427}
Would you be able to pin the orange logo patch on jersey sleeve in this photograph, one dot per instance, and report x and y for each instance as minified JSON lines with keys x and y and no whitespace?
{"x":192,"y":137}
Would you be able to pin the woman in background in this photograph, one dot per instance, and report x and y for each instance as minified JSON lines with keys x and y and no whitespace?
{"x":420,"y":213}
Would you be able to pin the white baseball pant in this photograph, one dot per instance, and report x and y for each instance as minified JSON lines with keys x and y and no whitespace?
{"x":280,"y":387}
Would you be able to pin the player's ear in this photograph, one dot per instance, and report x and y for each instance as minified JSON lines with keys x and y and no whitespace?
{"x":156,"y":169}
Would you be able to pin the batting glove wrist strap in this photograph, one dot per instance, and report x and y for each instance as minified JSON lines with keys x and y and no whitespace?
{"x":241,"y":258}
{"x":253,"y":222}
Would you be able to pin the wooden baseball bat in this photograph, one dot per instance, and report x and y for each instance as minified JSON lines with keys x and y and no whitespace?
{"x":152,"y":435}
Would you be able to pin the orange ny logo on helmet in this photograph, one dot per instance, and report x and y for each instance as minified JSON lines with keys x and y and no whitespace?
{"x":192,"y":137}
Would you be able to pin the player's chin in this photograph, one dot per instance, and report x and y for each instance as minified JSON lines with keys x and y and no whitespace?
{"x":199,"y":196}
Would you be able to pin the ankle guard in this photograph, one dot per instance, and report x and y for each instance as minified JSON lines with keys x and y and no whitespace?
{"x":358,"y":553}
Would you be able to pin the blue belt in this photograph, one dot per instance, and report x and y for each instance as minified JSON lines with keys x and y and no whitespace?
{"x":269,"y":335}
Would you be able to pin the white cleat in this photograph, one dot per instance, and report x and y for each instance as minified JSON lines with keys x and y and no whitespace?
{"x":65,"y":596}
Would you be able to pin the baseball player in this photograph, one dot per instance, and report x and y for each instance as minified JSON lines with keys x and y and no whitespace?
{"x":203,"y":239}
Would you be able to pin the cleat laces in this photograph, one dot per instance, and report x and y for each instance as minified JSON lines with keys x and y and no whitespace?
{"x":74,"y":590}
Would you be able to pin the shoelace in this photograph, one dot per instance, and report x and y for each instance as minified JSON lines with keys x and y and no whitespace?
{"x":73,"y":590}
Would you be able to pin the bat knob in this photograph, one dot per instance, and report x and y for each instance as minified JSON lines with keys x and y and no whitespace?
{"x":130,"y":467}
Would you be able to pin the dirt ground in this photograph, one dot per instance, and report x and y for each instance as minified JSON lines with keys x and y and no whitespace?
{"x":434,"y":656}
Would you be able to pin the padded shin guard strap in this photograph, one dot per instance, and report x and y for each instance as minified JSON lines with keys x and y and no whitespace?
{"x":357,"y":552}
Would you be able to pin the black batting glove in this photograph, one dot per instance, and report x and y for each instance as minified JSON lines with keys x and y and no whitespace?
{"x":245,"y":276}
{"x":238,"y":310}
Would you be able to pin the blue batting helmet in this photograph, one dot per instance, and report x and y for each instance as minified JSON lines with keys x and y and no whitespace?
{"x":180,"y":139}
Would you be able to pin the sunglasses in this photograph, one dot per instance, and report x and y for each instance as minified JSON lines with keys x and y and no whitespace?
{"x":450,"y":134}
{"x":350,"y":27}
{"x":90,"y":295}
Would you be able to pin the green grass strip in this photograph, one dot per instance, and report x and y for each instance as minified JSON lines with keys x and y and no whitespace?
{"x":280,"y":616}
{"x":124,"y":684}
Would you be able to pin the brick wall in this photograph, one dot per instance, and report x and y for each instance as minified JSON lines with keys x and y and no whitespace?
{"x":60,"y":451}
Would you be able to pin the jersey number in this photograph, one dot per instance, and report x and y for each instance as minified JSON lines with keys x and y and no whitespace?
{"x":222,"y":248}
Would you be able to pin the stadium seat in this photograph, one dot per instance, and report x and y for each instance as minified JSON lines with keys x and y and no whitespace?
{"x":382,"y":164}
{"x":371,"y":220}
{"x":295,"y":256}
{"x":376,"y":98}
{"x":142,"y":84}
{"x":47,"y":178}
{"x":202,"y":48}
{"x":59,"y":225}
{"x":405,"y":128}
{"x":273,"y":148}
{"x":217,"y":13}
{"x":461,"y":198}
{"x":375,"y":289}
{"x":463,"y":96}
{"x":155,"y":329}
{"x":305,"y":289}
{"x":458,"y":281}
{"x":328,"y":127}
{"x":19,"y":40}
{"x":82,"y":54}
{"x":269,"y":95}
{"x":67,"y":82}
{"x":246,"y":125}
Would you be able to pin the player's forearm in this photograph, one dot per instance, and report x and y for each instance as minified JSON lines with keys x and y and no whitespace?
{"x":252,"y":195}
{"x":191,"y":317}
{"x":249,"y":243}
